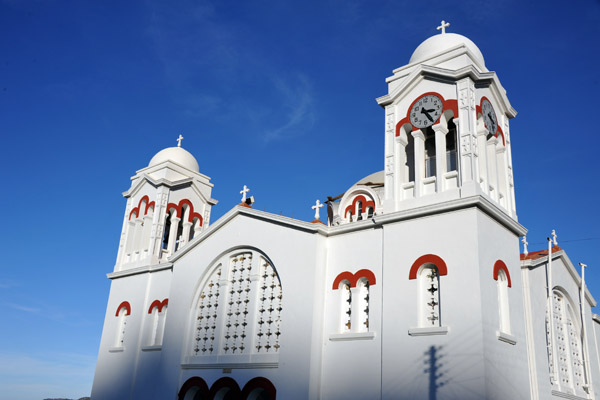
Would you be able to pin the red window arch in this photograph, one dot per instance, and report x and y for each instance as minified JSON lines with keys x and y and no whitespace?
{"x":428,"y":259}
{"x":353,"y":278}
{"x":499,"y":265}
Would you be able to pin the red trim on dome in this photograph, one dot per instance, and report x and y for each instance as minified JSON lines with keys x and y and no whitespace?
{"x":428,"y":259}
{"x":125,"y":305}
{"x":159,"y":305}
{"x":353,"y":278}
{"x":499,"y":265}
{"x":366,"y":203}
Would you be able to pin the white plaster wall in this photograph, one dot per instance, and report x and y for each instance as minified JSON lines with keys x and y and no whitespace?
{"x":292,"y":253}
{"x":507,"y":375}
{"x":352,"y":369}
{"x":458,"y":360}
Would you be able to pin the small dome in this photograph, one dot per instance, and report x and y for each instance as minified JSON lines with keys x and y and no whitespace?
{"x":438,"y":43}
{"x":177,"y":155}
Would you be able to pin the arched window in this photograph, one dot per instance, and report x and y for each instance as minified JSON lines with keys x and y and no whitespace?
{"x":502,"y":276}
{"x":238,"y":310}
{"x":565,"y":354}
{"x":123,"y":311}
{"x":158,"y":314}
{"x":225,"y":389}
{"x":427,"y":270}
{"x":194,"y":389}
{"x":410,"y":157}
{"x":354,"y":294}
{"x":259,"y":389}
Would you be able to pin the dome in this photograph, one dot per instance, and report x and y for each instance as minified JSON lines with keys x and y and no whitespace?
{"x":438,"y":43}
{"x":177,"y":155}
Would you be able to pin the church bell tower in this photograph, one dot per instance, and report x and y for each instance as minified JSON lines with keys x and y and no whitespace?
{"x":168,"y":204}
{"x":447,"y":132}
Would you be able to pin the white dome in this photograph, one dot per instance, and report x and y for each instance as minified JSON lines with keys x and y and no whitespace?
{"x":438,"y":43}
{"x":177,"y":155}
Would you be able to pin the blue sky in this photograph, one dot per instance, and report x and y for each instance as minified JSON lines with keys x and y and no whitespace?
{"x":276,"y":95}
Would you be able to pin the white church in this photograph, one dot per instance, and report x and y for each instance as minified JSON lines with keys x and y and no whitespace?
{"x":411,"y":287}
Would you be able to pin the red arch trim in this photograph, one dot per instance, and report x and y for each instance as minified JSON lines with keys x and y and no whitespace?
{"x":137,"y":209}
{"x":179,"y":209}
{"x":125,"y":305}
{"x":428,"y":259}
{"x":225,"y":382}
{"x":450,"y":104}
{"x":366,"y":203}
{"x":353,"y":278}
{"x":158,"y":304}
{"x":191,"y":383}
{"x":259,"y":383}
{"x":499,"y":265}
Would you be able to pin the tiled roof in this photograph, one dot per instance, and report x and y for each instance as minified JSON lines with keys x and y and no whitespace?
{"x":534,"y":255}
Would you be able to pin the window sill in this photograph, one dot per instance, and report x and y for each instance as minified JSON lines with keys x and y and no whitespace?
{"x":435,"y":330}
{"x":155,"y":347}
{"x":116,"y":349}
{"x":506,"y":337}
{"x":564,"y":395}
{"x":339,"y":337}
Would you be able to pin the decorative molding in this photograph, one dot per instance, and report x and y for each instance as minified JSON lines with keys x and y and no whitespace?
{"x":116,"y":349}
{"x":341,"y":337}
{"x":248,"y":365}
{"x":156,"y":347}
{"x":140,"y":270}
{"x":567,"y":395}
{"x":506,"y":337}
{"x":436,"y":330}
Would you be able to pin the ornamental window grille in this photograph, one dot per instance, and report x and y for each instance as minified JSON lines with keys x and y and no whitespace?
{"x":565,"y":357}
{"x":353,"y":291}
{"x":239,"y":308}
{"x":429,"y":296}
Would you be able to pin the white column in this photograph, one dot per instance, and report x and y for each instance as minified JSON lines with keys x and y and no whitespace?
{"x":173,"y":234}
{"x":503,"y":194}
{"x":482,"y":159}
{"x":440,"y":156}
{"x":400,"y":172}
{"x":146,"y":234}
{"x":419,"y":152}
{"x":129,"y":239}
{"x":197,"y":227}
{"x":492,"y":167}
{"x":187,"y":225}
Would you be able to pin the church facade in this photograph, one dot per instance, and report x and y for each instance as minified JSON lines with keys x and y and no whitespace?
{"x":413,"y":288}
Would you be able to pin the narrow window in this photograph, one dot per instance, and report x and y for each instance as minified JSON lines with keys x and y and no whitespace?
{"x":451,"y":147}
{"x":429,"y":152}
{"x":503,"y":302}
{"x":410,"y":158}
{"x":359,"y":206}
{"x":345,"y":307}
{"x":167,"y":231}
{"x":363,"y":305}
{"x":429,"y":287}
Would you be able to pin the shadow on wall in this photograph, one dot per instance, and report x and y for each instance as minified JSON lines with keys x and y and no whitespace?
{"x":434,"y":370}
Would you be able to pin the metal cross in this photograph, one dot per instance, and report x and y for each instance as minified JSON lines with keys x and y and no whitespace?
{"x":524,"y":241}
{"x":316,"y":208}
{"x":443,"y":26}
{"x":179,"y":139}
{"x":243,"y":193}
{"x":554,"y":237}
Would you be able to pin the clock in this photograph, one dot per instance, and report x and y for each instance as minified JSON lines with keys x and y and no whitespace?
{"x":489,"y":116}
{"x":425,"y":111}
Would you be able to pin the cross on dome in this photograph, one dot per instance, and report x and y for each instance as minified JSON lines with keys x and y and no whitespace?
{"x":554,"y":237}
{"x":243,"y":193}
{"x":316,"y":208}
{"x":524,"y":241}
{"x":443,"y":26}
{"x":179,"y":139}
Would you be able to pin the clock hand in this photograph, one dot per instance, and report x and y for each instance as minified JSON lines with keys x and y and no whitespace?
{"x":490,"y":115}
{"x":424,"y":111}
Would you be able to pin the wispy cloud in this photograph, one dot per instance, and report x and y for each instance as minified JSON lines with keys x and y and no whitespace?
{"x":8,"y":283}
{"x":298,"y":102}
{"x":20,"y":307}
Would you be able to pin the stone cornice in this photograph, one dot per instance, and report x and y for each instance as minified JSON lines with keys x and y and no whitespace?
{"x":140,"y":270}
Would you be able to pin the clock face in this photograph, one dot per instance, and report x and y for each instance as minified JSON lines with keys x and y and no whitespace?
{"x":489,"y":116}
{"x":426,"y":111}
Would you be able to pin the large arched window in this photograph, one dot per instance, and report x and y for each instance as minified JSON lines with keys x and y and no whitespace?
{"x":565,"y":347}
{"x":238,"y":309}
{"x":502,"y":276}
